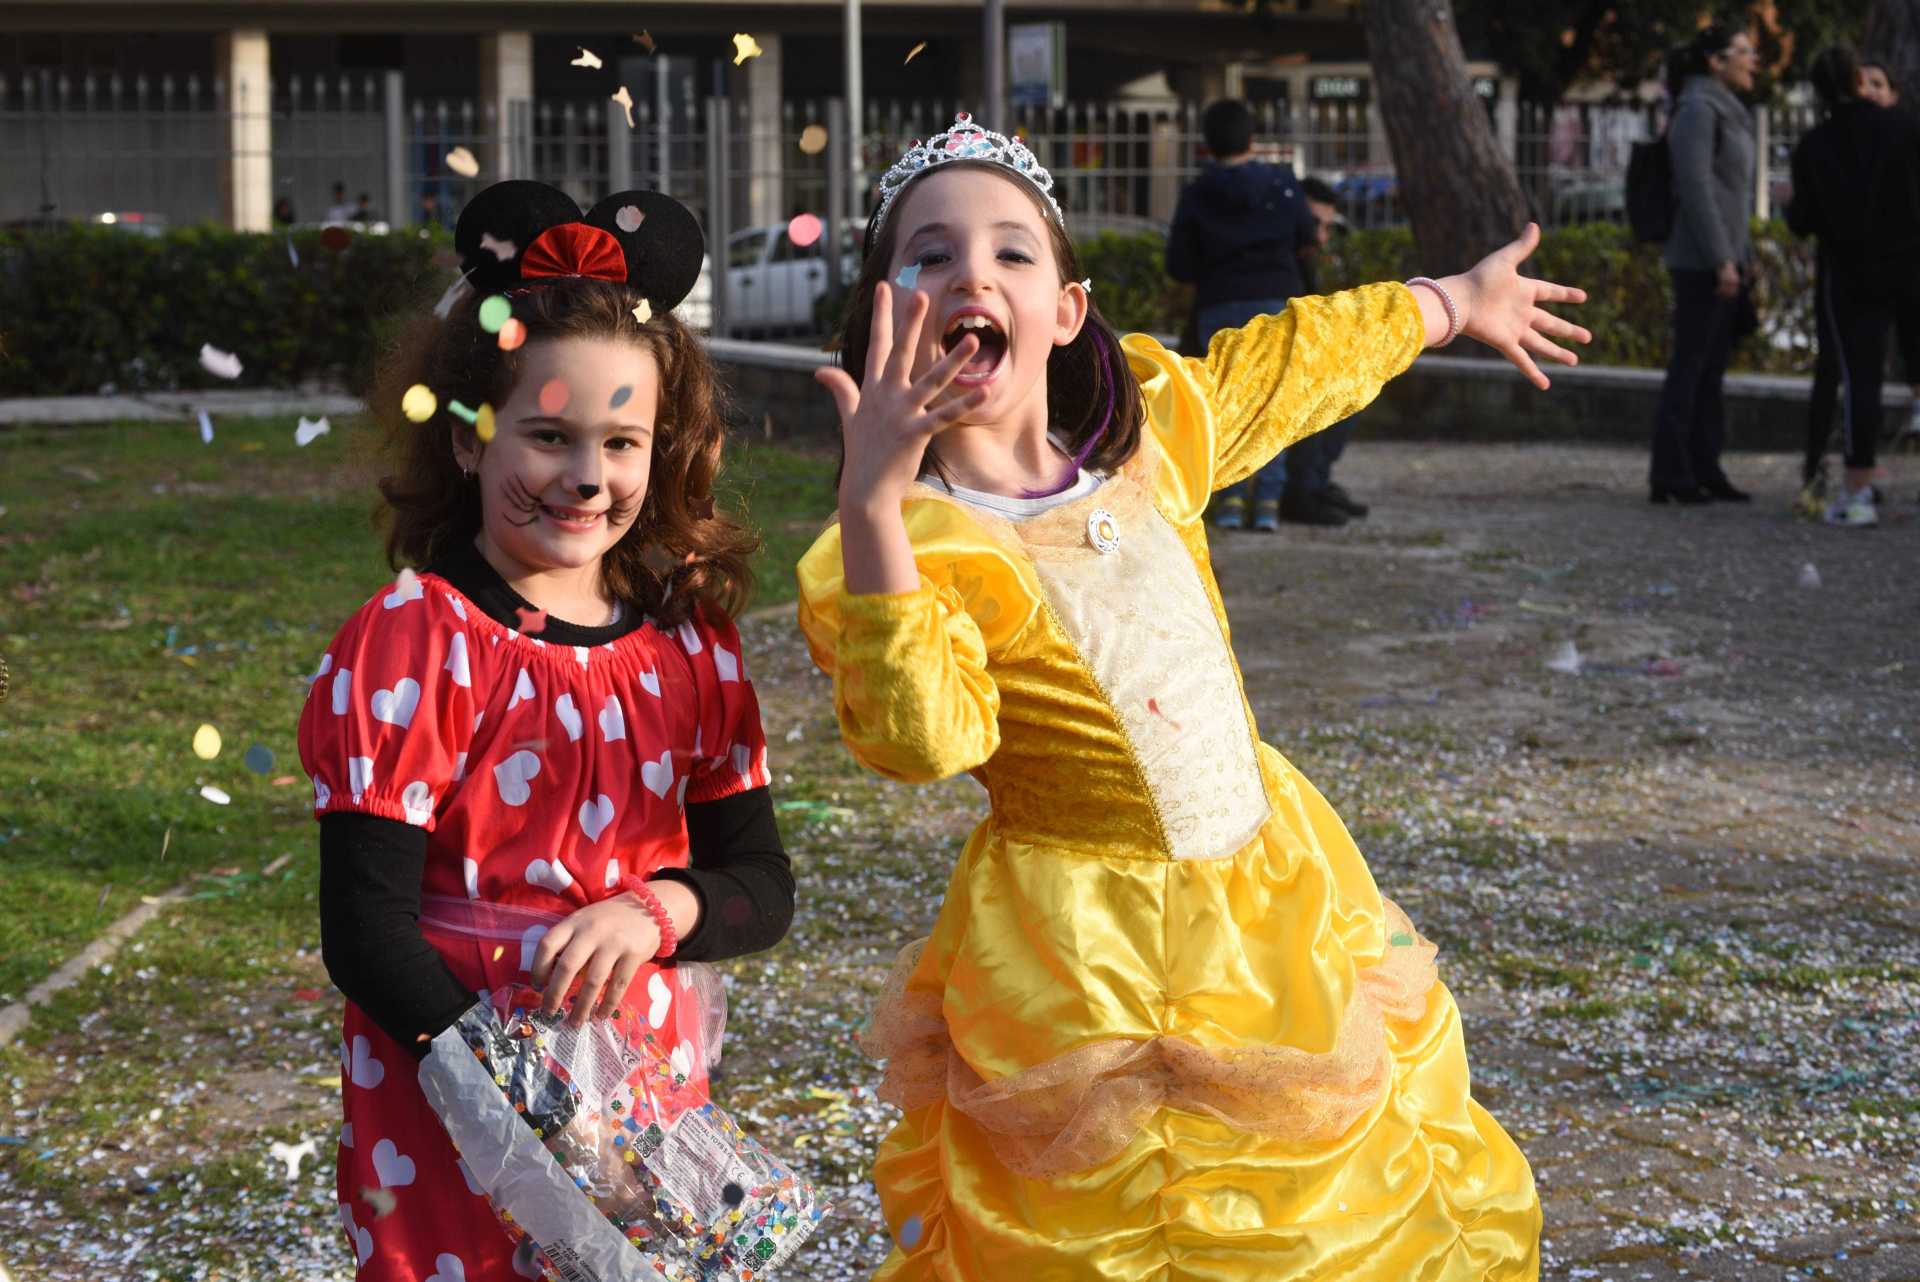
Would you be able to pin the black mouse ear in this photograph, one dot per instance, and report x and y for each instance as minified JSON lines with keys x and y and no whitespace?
{"x":661,"y":240}
{"x":499,"y":223}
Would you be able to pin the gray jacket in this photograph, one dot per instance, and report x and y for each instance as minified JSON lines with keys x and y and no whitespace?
{"x":1713,"y":145}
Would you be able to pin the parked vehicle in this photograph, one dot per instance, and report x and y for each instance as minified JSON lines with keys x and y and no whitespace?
{"x":774,"y":285}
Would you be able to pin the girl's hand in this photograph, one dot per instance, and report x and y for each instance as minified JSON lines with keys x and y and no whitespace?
{"x":1502,"y":309}
{"x":603,"y":946}
{"x":888,"y":418}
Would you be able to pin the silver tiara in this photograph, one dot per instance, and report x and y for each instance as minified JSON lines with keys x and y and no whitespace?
{"x":965,"y":141}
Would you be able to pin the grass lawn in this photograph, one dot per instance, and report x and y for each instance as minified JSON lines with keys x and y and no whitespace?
{"x":153,"y":583}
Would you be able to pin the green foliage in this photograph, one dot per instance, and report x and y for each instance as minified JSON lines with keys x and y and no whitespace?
{"x":1130,"y":283}
{"x":84,"y":306}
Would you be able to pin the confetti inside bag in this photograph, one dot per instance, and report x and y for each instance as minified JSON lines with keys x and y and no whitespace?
{"x":601,"y":1146}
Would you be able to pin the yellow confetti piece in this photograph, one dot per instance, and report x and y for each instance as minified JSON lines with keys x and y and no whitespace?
{"x":744,"y":47}
{"x":914,"y":52}
{"x":498,"y":951}
{"x":813,"y":140}
{"x":462,"y":162}
{"x":206,"y":743}
{"x":644,"y":312}
{"x":645,"y":41}
{"x":419,"y":403}
{"x":588,"y":59}
{"x":483,"y":423}
{"x":625,"y":99}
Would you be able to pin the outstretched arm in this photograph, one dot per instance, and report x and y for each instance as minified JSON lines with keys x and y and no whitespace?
{"x":1505,"y":310}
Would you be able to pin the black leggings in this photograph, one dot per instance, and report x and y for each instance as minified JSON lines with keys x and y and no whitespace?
{"x":1904,"y":311}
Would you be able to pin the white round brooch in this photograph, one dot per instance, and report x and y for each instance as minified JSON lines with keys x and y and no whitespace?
{"x":1103,"y":531}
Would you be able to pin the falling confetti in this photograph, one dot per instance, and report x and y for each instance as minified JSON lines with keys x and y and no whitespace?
{"x":217,"y":796}
{"x":497,"y":952}
{"x":218,"y":363}
{"x":503,"y":250}
{"x":554,"y":395}
{"x":645,"y":41}
{"x":909,"y":276}
{"x":531,"y":621}
{"x":1566,"y":659}
{"x":335,"y":239}
{"x":512,"y":334}
{"x":629,"y":218}
{"x":494,"y":313}
{"x":588,"y":59}
{"x":625,"y":99}
{"x":206,"y":428}
{"x":381,"y":1200}
{"x":419,"y":403}
{"x":406,"y":584}
{"x":804,"y":229}
{"x":744,"y":47}
{"x":461,"y":161}
{"x":910,"y":1233}
{"x":311,"y":430}
{"x":259,"y":759}
{"x":483,"y":423}
{"x":206,"y":743}
{"x":914,"y":52}
{"x":813,"y":140}
{"x":643,"y":311}
{"x":620,"y":396}
{"x":1086,"y":283}
{"x":166,"y":840}
{"x":292,"y":253}
{"x":461,"y":411}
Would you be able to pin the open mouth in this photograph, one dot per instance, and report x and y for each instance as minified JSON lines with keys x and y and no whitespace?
{"x":568,"y":518}
{"x":993,"y":345}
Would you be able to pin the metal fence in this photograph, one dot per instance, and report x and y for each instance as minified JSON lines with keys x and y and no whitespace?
{"x":160,"y":148}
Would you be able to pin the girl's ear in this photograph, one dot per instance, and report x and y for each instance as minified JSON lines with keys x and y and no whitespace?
{"x":1071,"y":313}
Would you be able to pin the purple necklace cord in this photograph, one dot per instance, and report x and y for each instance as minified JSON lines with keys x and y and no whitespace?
{"x":1086,"y":451}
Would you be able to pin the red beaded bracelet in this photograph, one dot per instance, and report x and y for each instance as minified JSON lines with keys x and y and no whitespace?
{"x":640,"y":890}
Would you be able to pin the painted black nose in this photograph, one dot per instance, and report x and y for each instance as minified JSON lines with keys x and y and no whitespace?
{"x":587,"y":491}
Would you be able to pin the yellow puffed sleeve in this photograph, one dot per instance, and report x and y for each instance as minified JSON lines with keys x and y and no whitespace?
{"x":1265,"y":385}
{"x":910,"y":679}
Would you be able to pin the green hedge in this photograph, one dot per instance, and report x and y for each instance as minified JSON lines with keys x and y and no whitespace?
{"x":83,"y":307}
{"x":1629,"y":300}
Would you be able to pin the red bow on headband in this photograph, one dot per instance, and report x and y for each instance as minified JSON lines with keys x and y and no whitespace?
{"x":574,"y":249}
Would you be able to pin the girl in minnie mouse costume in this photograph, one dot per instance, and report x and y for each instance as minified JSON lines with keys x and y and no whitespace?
{"x":538,"y":759}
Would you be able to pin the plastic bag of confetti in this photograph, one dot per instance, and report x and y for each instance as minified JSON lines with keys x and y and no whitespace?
{"x":600,"y":1147}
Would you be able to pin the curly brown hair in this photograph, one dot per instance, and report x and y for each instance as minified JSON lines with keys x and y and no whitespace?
{"x":1089,"y":383}
{"x":681,"y":552}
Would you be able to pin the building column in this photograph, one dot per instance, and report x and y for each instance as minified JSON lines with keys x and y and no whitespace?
{"x":246,"y":181}
{"x":757,"y":83}
{"x":506,"y":99}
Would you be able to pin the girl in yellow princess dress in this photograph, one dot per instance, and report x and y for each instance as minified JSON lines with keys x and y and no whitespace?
{"x":1166,"y":1026}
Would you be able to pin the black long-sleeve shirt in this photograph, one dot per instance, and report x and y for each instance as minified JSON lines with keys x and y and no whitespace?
{"x":1856,"y":186}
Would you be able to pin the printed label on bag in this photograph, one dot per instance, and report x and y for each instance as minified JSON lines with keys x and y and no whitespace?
{"x":695,"y":1166}
{"x":568,"y":1264}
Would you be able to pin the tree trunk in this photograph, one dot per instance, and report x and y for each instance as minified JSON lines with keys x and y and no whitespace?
{"x":1893,"y":33}
{"x":1457,"y":187}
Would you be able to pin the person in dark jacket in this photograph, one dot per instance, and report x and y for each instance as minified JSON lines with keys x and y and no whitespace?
{"x":1236,"y":237}
{"x":1877,"y":85}
{"x":1714,"y":147}
{"x":1856,"y":187}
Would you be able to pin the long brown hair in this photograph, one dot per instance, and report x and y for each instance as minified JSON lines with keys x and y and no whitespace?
{"x":1090,"y":387}
{"x":680,"y":551}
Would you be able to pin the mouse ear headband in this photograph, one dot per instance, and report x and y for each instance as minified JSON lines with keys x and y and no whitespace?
{"x":520,"y":234}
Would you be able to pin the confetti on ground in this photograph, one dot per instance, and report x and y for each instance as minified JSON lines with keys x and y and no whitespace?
{"x":625,"y":99}
{"x":804,"y":229}
{"x":744,"y":47}
{"x":1809,"y":576}
{"x":620,"y":396}
{"x":914,"y":52}
{"x":461,"y":161}
{"x":311,"y":430}
{"x":500,"y":249}
{"x":419,"y":403}
{"x":512,"y":334}
{"x":909,"y":276}
{"x":218,"y":363}
{"x":494,"y":312}
{"x":217,"y":796}
{"x":588,"y":59}
{"x":1566,"y":658}
{"x":259,"y":759}
{"x":643,"y":311}
{"x":554,"y":395}
{"x":813,"y":140}
{"x":206,"y":742}
{"x":206,"y":428}
{"x":291,"y":1154}
{"x":629,"y":218}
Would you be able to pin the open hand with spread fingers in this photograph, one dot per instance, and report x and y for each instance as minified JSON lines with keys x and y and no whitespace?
{"x":888,"y":417}
{"x":1505,"y":310}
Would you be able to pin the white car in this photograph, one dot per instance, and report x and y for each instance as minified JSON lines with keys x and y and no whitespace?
{"x":772,"y":284}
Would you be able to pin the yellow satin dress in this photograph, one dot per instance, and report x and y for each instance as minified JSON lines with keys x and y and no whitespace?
{"x":1166,"y":1027}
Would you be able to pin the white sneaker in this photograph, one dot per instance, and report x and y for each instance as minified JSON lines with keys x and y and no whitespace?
{"x":1855,"y":509}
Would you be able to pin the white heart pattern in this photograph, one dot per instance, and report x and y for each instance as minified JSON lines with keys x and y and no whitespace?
{"x":682,"y":1060}
{"x":416,"y":802}
{"x":650,"y":682}
{"x":459,"y":766}
{"x":512,"y":775}
{"x":326,"y":666}
{"x":447,"y":1268}
{"x":361,"y":1238}
{"x":396,"y":706}
{"x":595,"y":815}
{"x":689,"y":639}
{"x":613,"y":719}
{"x":569,"y":714}
{"x":550,"y":876}
{"x":359,"y":775}
{"x":742,"y":758}
{"x":458,"y":608}
{"x":405,"y":588}
{"x":466,"y":1173}
{"x":727,"y":663}
{"x":530,"y":944}
{"x":680,"y":797}
{"x":613,"y":873}
{"x":346,"y":1135}
{"x":363,"y":1070}
{"x":580,"y":653}
{"x":457,"y":661}
{"x":659,"y":997}
{"x":658,"y":775}
{"x":522,"y":691}
{"x":471,"y":869}
{"x":391,"y":1167}
{"x":321,"y":794}
{"x":342,"y":691}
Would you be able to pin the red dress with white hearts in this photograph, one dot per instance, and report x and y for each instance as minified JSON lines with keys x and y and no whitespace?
{"x":542,"y":774}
